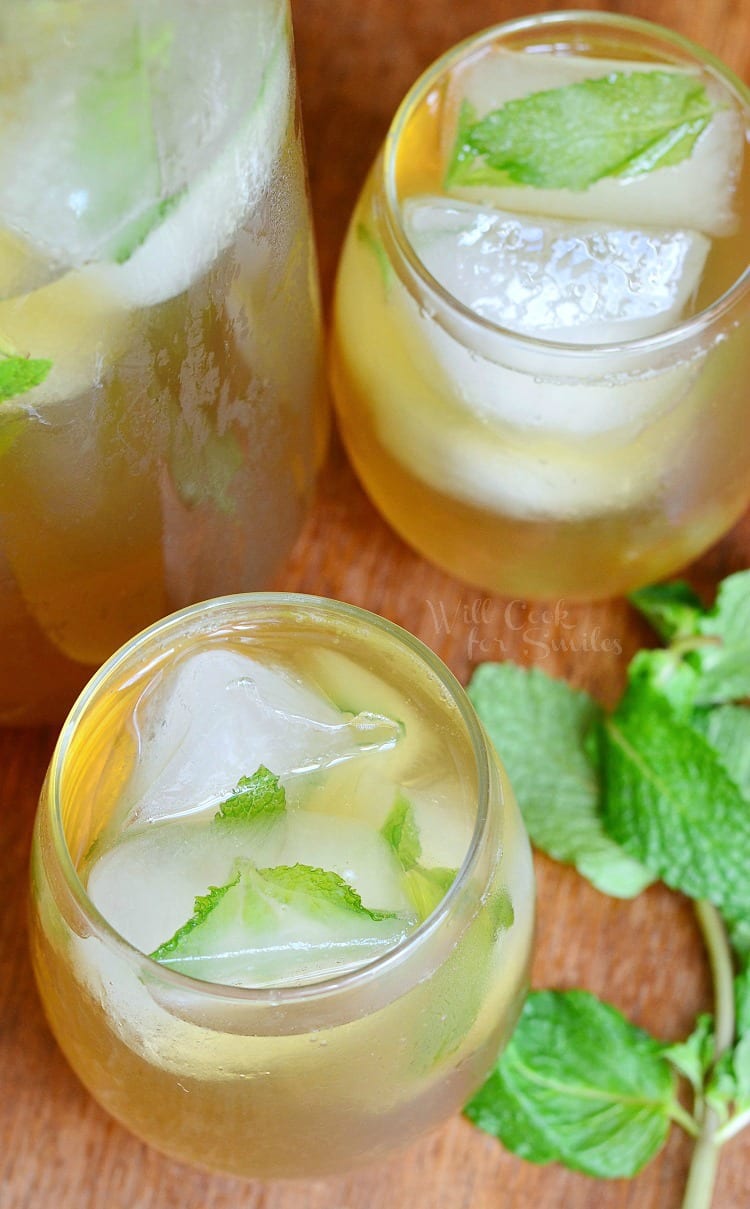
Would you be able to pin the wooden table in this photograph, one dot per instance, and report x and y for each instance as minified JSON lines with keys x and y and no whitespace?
{"x":58,"y":1150}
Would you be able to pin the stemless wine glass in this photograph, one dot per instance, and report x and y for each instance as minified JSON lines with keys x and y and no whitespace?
{"x":532,"y":394}
{"x":161,"y":410}
{"x":306,"y":1075}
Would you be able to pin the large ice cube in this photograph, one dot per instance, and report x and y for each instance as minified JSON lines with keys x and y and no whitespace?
{"x":697,"y":193}
{"x":121,"y":111}
{"x":219,"y":715}
{"x":564,"y":281}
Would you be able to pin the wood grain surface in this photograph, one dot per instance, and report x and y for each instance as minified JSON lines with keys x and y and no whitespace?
{"x":58,"y":1150}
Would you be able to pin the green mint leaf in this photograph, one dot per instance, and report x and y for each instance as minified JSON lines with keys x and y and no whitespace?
{"x":738,"y":928}
{"x":721,"y":1086}
{"x":260,"y":794}
{"x":673,"y":609}
{"x":116,"y":150}
{"x":402,"y":834}
{"x":622,"y":125}
{"x":139,"y":230}
{"x":19,"y":374}
{"x":323,"y":888}
{"x":428,"y":887}
{"x":742,"y":1002}
{"x":727,"y":729}
{"x":672,"y":805}
{"x":578,"y":1084}
{"x":248,"y":911}
{"x":540,"y":728}
{"x":205,"y":905}
{"x":665,"y":673}
{"x":693,"y":1058}
{"x":723,"y":663}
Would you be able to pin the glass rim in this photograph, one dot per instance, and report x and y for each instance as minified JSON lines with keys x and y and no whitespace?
{"x":676,"y":333}
{"x":271,"y":996}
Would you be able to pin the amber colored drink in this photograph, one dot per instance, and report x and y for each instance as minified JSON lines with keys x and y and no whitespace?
{"x":158,"y":297}
{"x":537,"y":415}
{"x":331,"y":974}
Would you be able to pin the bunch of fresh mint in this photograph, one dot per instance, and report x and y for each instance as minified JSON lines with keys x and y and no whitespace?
{"x":659,"y":789}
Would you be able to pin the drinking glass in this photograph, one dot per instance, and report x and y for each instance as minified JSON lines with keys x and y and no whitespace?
{"x":161,"y":411}
{"x":315,"y":1075}
{"x":577,"y":463}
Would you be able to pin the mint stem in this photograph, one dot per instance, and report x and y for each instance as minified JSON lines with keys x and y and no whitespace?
{"x":704,"y":1165}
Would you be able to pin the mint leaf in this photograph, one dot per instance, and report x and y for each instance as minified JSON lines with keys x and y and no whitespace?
{"x":205,"y":905}
{"x":402,"y":834}
{"x":673,"y":609}
{"x":672,"y":805}
{"x":262,"y":920}
{"x":139,"y":230}
{"x":578,"y":1084}
{"x":693,"y":1058}
{"x":260,"y":794}
{"x":19,"y":374}
{"x":727,"y":729}
{"x":116,"y":151}
{"x":540,"y":728}
{"x":428,"y":887}
{"x":667,"y":674}
{"x":622,"y":125}
{"x":723,"y":663}
{"x":322,"y":887}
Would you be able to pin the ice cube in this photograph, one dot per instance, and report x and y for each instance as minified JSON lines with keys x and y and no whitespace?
{"x":568,"y":282}
{"x":171,"y":863}
{"x":123,"y":111}
{"x":219,"y":715}
{"x":347,"y":846}
{"x":697,"y":193}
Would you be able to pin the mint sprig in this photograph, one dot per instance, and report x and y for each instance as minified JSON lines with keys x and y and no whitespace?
{"x":670,"y":783}
{"x":622,"y":125}
{"x":579,"y":1084}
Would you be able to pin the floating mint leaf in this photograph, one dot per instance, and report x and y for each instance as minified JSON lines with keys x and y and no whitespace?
{"x":672,"y":805}
{"x":205,"y":905}
{"x":540,"y":728}
{"x":578,"y":1084}
{"x":323,"y":888}
{"x":673,"y":609}
{"x":260,"y":794}
{"x":428,"y":887}
{"x":19,"y":374}
{"x":622,"y":125}
{"x":141,"y":227}
{"x":402,"y":834}
{"x":116,"y":151}
{"x":264,"y":924}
